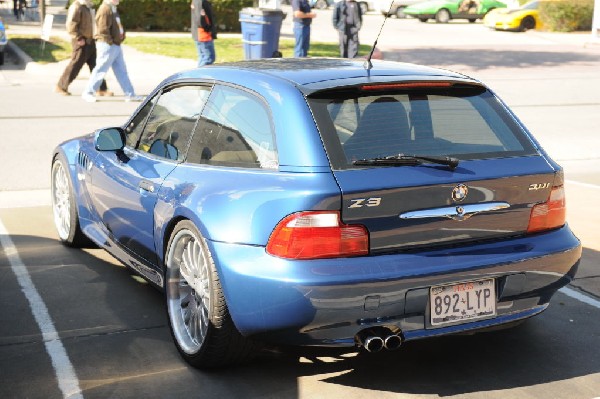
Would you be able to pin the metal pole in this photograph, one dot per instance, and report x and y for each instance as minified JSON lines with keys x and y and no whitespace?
{"x":43,"y":11}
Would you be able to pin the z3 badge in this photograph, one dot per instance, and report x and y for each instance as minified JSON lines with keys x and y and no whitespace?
{"x":360,"y":202}
{"x":538,"y":186}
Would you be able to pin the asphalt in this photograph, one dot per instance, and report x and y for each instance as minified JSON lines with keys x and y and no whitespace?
{"x":582,"y":194}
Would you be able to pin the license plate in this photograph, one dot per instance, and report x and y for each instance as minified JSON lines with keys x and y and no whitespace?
{"x":462,"y":302}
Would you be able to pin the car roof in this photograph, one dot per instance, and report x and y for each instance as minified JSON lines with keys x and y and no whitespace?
{"x":312,"y":74}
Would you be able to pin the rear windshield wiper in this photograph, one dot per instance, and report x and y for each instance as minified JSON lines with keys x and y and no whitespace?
{"x":408,"y":160}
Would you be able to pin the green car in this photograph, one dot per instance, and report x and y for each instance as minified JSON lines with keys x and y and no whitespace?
{"x":445,"y":10}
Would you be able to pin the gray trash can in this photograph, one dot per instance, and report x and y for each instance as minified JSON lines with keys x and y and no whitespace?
{"x":260,"y":32}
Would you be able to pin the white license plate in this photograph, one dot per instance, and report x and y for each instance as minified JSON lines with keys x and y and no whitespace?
{"x":462,"y":302}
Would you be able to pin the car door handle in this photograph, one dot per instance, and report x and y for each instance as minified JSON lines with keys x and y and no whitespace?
{"x":146,"y":186}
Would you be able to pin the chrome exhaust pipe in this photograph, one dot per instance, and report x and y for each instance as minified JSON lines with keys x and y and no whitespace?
{"x":392,"y":342}
{"x":373,"y":344}
{"x":370,"y":340}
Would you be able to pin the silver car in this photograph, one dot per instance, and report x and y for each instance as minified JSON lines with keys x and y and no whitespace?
{"x":393,"y":7}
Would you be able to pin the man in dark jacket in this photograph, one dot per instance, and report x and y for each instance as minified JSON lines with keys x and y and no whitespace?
{"x":109,"y":36}
{"x":204,"y":31}
{"x":347,"y":19}
{"x":80,"y":26}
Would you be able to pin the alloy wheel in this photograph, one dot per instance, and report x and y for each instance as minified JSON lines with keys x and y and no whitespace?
{"x":61,"y":203}
{"x":188,"y":291}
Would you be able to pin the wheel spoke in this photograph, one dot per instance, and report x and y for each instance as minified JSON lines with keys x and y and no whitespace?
{"x":61,"y":200}
{"x":189,"y":290}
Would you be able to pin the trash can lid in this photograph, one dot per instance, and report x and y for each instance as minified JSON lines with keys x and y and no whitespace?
{"x":260,"y":11}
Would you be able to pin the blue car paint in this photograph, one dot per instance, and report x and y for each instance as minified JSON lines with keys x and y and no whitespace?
{"x":256,"y":201}
{"x":295,"y":301}
{"x":315,"y":301}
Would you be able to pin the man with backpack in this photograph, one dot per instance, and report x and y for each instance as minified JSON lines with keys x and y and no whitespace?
{"x":204,"y":31}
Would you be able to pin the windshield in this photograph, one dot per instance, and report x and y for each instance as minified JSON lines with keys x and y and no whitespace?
{"x":464,"y":122}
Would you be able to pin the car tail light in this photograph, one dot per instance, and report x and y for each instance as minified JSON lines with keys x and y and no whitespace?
{"x":550,"y":214}
{"x":316,"y":235}
{"x":406,"y":85}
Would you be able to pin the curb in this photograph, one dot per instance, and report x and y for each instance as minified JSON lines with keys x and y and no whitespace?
{"x":24,"y":58}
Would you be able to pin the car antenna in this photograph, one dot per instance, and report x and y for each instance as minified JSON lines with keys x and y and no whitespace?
{"x":368,"y":65}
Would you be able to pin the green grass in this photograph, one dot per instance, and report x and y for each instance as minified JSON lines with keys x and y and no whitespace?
{"x":53,"y":51}
{"x":227,"y":49}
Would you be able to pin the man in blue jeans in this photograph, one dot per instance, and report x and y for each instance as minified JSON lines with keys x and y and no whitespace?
{"x":204,"y":31}
{"x":302,"y":19}
{"x":109,"y":36}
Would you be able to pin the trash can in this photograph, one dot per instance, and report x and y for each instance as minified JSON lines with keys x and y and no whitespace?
{"x":260,"y":32}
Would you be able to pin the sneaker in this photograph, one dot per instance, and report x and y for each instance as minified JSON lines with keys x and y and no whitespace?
{"x":133,"y":98}
{"x":60,"y":90}
{"x":105,"y":93}
{"x":88,"y":97}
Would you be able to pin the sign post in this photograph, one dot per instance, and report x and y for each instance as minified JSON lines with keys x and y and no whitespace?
{"x":46,"y":29}
{"x":596,"y":20}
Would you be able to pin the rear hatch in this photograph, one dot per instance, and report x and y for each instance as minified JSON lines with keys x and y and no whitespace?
{"x":485,"y":191}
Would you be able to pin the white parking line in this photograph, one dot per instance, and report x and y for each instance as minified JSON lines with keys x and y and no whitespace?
{"x":65,"y":374}
{"x":580,"y":297}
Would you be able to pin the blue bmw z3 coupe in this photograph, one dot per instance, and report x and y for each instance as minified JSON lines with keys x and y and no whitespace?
{"x":322,"y":202}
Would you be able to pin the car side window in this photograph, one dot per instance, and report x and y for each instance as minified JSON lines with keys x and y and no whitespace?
{"x":234,"y":129}
{"x":136,"y":126}
{"x":172,"y":121}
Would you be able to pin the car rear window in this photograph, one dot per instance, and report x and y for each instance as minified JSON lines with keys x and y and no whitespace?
{"x":466,"y":122}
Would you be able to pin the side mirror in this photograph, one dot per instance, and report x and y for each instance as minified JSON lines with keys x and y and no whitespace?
{"x":110,"y":139}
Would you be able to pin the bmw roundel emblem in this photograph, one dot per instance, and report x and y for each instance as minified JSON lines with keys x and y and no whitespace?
{"x":459,"y":193}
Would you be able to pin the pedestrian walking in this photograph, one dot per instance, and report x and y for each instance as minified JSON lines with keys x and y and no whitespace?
{"x":109,"y":36}
{"x":19,"y":9}
{"x":204,"y":31}
{"x":303,"y":16}
{"x":80,"y":26}
{"x":347,"y":19}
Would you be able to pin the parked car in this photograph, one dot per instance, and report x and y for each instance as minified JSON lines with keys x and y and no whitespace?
{"x":365,"y":5}
{"x":445,"y":10}
{"x":394,"y":7}
{"x":3,"y":41}
{"x":316,"y":202}
{"x":321,"y":4}
{"x":514,"y":19}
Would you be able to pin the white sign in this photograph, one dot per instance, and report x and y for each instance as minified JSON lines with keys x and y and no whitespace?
{"x":596,"y":20}
{"x":47,"y":27}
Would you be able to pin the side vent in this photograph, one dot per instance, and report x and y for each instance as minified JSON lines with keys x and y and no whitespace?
{"x":84,"y":161}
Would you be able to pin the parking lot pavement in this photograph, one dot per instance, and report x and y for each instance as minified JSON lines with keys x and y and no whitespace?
{"x":550,"y":80}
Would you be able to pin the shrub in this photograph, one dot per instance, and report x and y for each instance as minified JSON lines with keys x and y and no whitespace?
{"x":567,"y":15}
{"x":174,"y":15}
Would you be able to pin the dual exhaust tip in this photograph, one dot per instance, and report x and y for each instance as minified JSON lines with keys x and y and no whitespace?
{"x":376,"y":340}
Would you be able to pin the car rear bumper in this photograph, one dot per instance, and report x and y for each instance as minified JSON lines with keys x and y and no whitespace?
{"x":327,"y":302}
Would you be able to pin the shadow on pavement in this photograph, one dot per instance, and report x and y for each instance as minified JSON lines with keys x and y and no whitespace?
{"x":115,"y":332}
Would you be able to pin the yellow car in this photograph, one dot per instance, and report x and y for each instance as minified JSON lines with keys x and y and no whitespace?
{"x":515,"y":19}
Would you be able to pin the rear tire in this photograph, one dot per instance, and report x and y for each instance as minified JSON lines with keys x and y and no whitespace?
{"x":2,"y":58}
{"x":201,"y":326}
{"x":423,"y":19}
{"x":442,"y":16}
{"x":64,"y":206}
{"x":321,"y":4}
{"x":400,"y":13}
{"x":527,"y":23}
{"x":364,"y":7}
